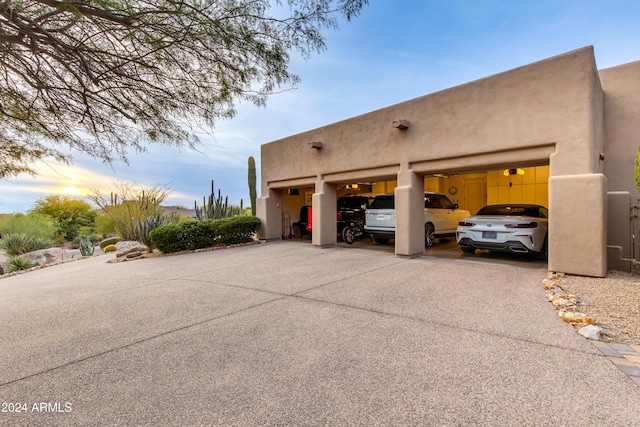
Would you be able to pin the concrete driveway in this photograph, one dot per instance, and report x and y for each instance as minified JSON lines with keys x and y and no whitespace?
{"x":287,"y":334}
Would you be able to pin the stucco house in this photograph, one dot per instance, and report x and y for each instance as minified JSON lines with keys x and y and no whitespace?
{"x":572,"y":129}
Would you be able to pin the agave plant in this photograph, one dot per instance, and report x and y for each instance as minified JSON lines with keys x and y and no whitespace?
{"x":21,"y":243}
{"x":19,"y":262}
{"x":86,"y":247}
{"x":151,"y":223}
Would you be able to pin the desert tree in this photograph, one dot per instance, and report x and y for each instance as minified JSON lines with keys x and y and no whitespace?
{"x":126,"y":204}
{"x":72,"y":215}
{"x":108,"y":76}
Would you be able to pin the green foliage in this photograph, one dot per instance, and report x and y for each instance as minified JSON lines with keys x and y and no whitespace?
{"x":19,"y":262}
{"x":86,"y":247}
{"x":150,"y":224}
{"x":110,"y":248}
{"x":32,"y":224}
{"x":21,"y":243}
{"x":104,"y":225}
{"x":636,"y":171}
{"x":127,"y":205}
{"x":214,"y":208}
{"x":108,"y":241}
{"x":252,"y":184}
{"x":231,"y":231}
{"x":205,"y":233}
{"x":70,"y":214}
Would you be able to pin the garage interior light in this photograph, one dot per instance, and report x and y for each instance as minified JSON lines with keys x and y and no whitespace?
{"x":513,"y":171}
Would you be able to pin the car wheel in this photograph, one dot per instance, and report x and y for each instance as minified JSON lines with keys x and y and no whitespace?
{"x":468,"y":250}
{"x":348,"y":236}
{"x":429,"y":235}
{"x":544,"y":253}
{"x":380,"y":240}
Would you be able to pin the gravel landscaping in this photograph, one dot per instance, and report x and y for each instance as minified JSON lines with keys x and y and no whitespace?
{"x":613,"y":301}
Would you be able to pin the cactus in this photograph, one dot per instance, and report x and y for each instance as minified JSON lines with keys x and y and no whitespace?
{"x":252,"y":184}
{"x":108,"y":241}
{"x":86,"y":247}
{"x":214,"y":208}
{"x":110,"y":248}
{"x":151,"y":223}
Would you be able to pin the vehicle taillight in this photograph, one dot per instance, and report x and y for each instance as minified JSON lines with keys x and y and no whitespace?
{"x":339,"y":216}
{"x":526,"y":225}
{"x":466,"y":224}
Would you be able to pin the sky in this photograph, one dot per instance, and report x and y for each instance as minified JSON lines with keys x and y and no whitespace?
{"x":395,"y":50}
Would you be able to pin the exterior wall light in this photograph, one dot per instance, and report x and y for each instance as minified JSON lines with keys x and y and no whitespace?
{"x":316,"y":144}
{"x":513,"y":171}
{"x":400,"y":124}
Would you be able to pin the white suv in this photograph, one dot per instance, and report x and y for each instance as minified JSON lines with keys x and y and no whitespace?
{"x":441,"y":217}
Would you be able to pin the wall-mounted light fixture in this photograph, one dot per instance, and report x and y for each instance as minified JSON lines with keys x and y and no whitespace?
{"x":401,"y":124}
{"x":513,"y":171}
{"x":316,"y":144}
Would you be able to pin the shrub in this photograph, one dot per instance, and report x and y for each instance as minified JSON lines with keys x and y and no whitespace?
{"x":21,"y":243}
{"x":150,"y":224}
{"x":19,"y":262}
{"x":110,"y":248}
{"x":33,"y":224}
{"x":105,"y":225}
{"x":108,"y":242}
{"x":71,"y":215}
{"x":128,"y":204}
{"x":236,"y":230}
{"x":188,"y":235}
{"x":204,"y":234}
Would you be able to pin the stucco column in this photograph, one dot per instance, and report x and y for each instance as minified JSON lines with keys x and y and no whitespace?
{"x":409,"y":205}
{"x":325,"y":206}
{"x":578,"y":224}
{"x":269,"y":210}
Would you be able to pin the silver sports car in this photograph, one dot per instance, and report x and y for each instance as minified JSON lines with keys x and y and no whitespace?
{"x":520,"y":228}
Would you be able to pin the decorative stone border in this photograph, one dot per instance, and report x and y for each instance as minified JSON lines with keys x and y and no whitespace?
{"x":567,"y":306}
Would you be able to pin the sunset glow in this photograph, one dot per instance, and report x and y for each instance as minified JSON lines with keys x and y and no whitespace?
{"x":71,"y":191}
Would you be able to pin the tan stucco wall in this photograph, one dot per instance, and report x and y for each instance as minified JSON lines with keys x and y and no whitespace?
{"x":577,"y":237}
{"x":549,"y":112}
{"x":477,"y":125}
{"x":621,"y":86}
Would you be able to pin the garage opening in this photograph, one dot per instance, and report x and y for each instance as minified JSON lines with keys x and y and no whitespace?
{"x":470,"y":191}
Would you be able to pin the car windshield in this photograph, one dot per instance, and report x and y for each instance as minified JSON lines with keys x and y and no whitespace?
{"x":514,"y":210}
{"x":383,"y":202}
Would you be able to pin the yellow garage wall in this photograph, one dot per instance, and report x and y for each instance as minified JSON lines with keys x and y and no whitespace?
{"x":383,"y":187}
{"x":531,"y":187}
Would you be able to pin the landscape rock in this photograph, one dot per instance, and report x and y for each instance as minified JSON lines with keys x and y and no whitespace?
{"x":591,"y":332}
{"x":49,"y":256}
{"x":575,"y":317}
{"x":128,"y":244}
{"x":129,"y":247}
